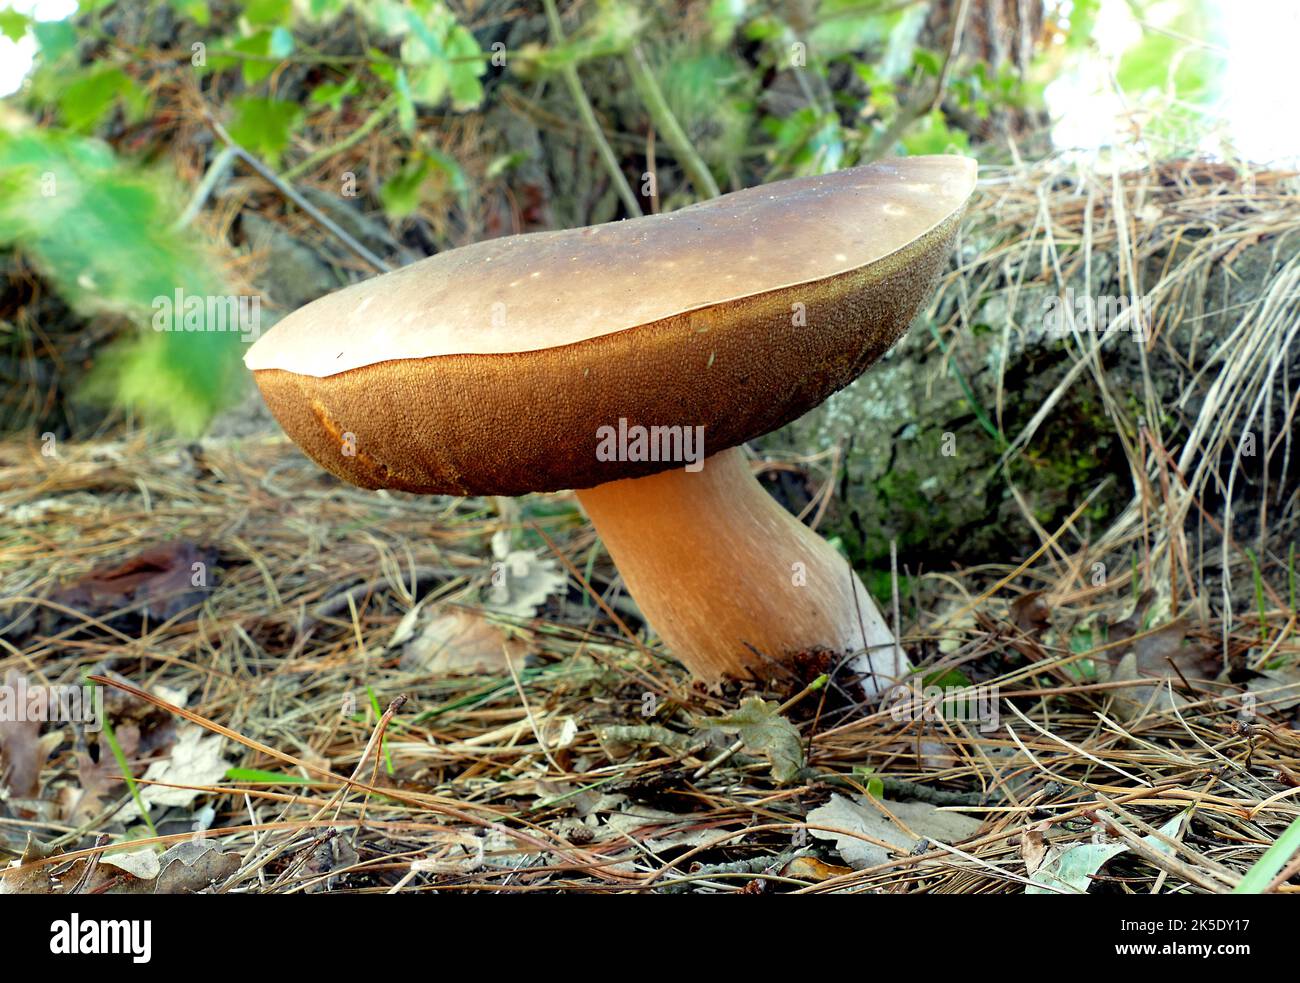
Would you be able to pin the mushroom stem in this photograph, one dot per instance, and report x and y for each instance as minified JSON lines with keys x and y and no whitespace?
{"x":733,"y":582}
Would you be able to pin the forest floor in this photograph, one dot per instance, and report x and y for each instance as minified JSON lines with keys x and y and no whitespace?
{"x":317,"y":688}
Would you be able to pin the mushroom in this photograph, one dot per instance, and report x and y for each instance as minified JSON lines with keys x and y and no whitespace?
{"x":629,"y":361}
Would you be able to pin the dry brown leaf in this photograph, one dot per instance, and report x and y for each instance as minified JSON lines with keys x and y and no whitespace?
{"x":1033,"y":847}
{"x":195,"y":760}
{"x":100,"y":778}
{"x":185,"y":868}
{"x":1277,"y":689}
{"x":1131,"y":702}
{"x":878,"y":832}
{"x":445,"y":639}
{"x":22,"y":755}
{"x":1031,"y":613}
{"x":814,"y":870}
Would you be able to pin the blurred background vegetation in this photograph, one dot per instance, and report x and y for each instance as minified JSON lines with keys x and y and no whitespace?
{"x":280,"y":148}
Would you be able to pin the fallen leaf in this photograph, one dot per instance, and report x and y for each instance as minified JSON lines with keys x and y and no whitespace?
{"x":1070,"y":869}
{"x":521,"y":579}
{"x":195,"y":760}
{"x":460,"y":852}
{"x":1277,"y":689}
{"x":1161,"y":649}
{"x":142,"y":864}
{"x":158,"y":583}
{"x":1031,"y":613}
{"x":1132,"y":702}
{"x":185,"y":868}
{"x":813,"y":870}
{"x":334,"y":853}
{"x":862,"y":816}
{"x":449,"y":640}
{"x":21,"y":753}
{"x":1033,"y":847}
{"x":656,"y":829}
{"x":759,"y":724}
{"x":195,"y":865}
{"x":99,"y":778}
{"x":35,"y":881}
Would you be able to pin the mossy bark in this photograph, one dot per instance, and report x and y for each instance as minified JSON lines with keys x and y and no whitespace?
{"x":923,"y":432}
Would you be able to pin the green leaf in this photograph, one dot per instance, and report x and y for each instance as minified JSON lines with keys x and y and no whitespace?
{"x":268,"y":12}
{"x":265,"y":777}
{"x":55,"y":38}
{"x":724,"y":18}
{"x":505,"y":162}
{"x":400,"y":194}
{"x":1267,"y":867}
{"x":195,"y":10}
{"x":263,"y":126}
{"x":759,"y":724}
{"x":428,"y":176}
{"x":13,"y":25}
{"x":947,"y":678}
{"x":102,"y":233}
{"x":928,"y":61}
{"x":887,"y":32}
{"x":396,"y":77}
{"x":462,"y":49}
{"x":333,"y":94}
{"x":264,"y":46}
{"x":932,"y":135}
{"x":324,"y":11}
{"x":88,"y":98}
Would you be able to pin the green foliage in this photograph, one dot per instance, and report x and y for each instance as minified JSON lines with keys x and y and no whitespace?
{"x":1166,"y":63}
{"x":195,"y":10}
{"x":609,"y":32}
{"x":102,"y":233}
{"x":751,"y":108}
{"x":257,"y":54}
{"x":1260,"y":876}
{"x":264,"y":126}
{"x":427,"y":176}
{"x":932,"y":135}
{"x":55,"y":38}
{"x":846,"y":26}
{"x":13,"y":24}
{"x":1174,"y":70}
{"x":711,"y":94}
{"x":93,"y":93}
{"x":442,"y":58}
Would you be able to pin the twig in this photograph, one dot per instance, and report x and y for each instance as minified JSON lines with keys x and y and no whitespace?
{"x":381,"y":113}
{"x":923,"y":107}
{"x":664,"y":120}
{"x":288,"y":191}
{"x":211,"y":178}
{"x":570,"y":75}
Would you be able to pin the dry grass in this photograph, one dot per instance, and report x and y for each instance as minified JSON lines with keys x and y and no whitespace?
{"x":392,"y":780}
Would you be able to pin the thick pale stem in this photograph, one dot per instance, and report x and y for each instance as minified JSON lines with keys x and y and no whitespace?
{"x":731,"y":581}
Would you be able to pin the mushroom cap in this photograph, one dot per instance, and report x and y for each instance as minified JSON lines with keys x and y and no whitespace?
{"x":492,"y":369}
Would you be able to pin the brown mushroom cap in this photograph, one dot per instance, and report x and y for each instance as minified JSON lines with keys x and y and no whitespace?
{"x":489,"y":369}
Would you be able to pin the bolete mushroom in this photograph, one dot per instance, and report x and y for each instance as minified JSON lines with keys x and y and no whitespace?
{"x":628,"y":361}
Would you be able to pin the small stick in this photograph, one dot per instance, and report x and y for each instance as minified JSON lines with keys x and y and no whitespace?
{"x":288,"y":191}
